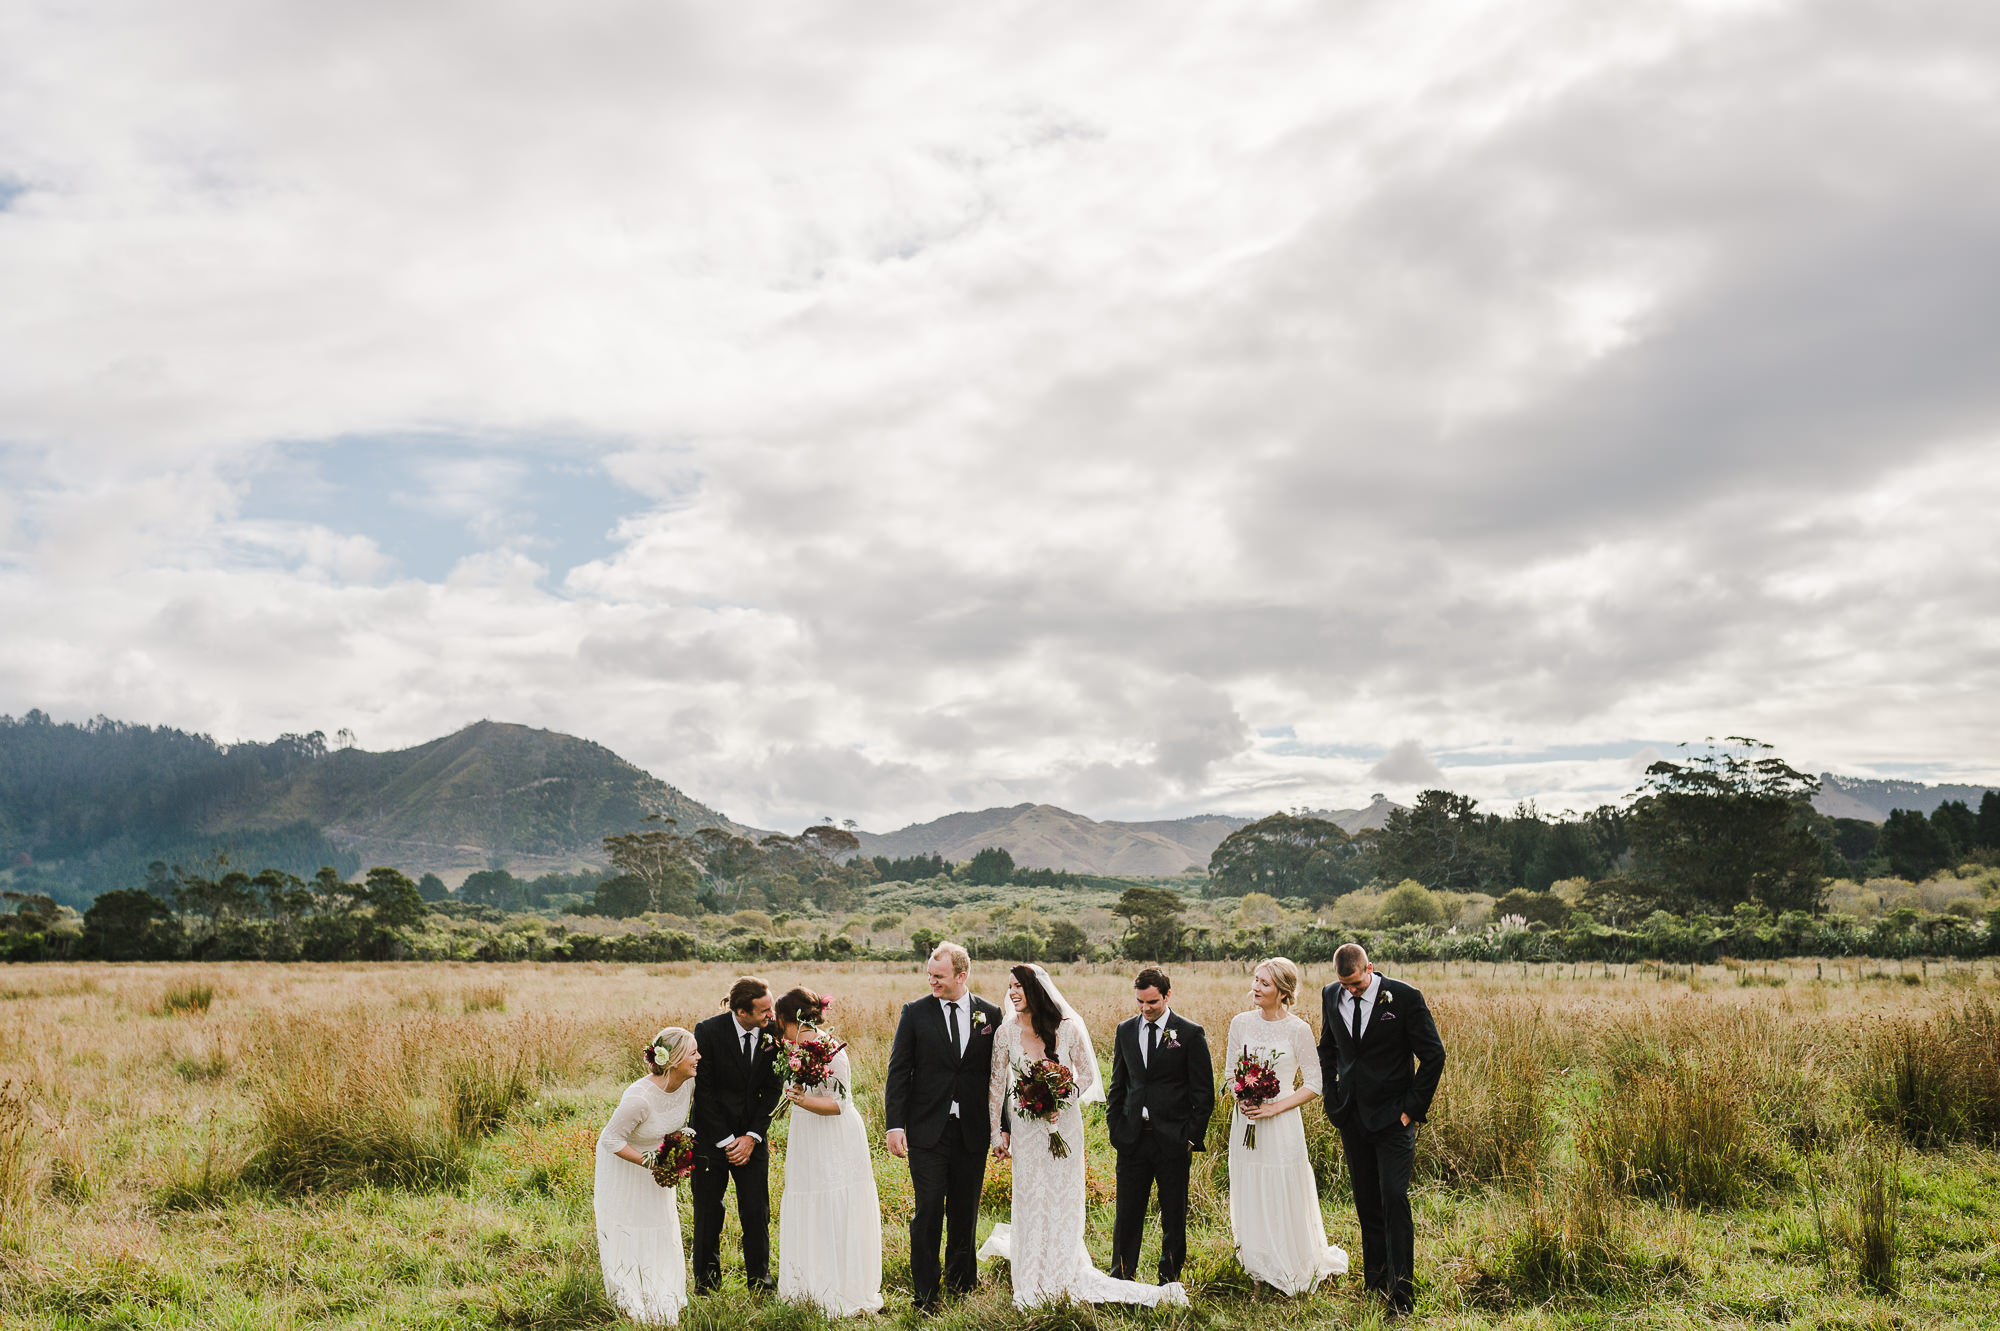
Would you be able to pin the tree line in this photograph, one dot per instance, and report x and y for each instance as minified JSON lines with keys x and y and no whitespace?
{"x":1729,"y":827}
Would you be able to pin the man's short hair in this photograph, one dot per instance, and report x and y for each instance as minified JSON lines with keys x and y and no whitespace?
{"x":960,"y":959}
{"x":1153,"y":978}
{"x":743,"y":995}
{"x":1349,"y":958}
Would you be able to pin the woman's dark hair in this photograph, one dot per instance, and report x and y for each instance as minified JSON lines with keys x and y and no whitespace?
{"x":800,"y":1005}
{"x":1043,"y":1014}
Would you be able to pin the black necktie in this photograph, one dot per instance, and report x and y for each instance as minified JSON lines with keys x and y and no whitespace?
{"x":1152,"y":1042}
{"x":956,"y":1047}
{"x":748,"y":1036}
{"x":1357,"y":1020}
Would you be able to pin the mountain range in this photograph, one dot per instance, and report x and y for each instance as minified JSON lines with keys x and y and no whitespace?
{"x":87,"y":806}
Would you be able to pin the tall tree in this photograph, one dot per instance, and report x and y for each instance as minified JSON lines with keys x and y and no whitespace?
{"x":991,"y":867}
{"x":1986,"y":834}
{"x":1153,"y":917}
{"x":1915,"y":846}
{"x":1443,"y":843}
{"x":663,"y":860}
{"x":1729,"y":826}
{"x":1286,"y":855}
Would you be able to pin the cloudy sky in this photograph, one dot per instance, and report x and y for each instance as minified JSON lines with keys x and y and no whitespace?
{"x":879,"y":410}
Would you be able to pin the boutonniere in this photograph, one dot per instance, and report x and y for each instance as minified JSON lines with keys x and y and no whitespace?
{"x":1386,"y":998}
{"x":1173,"y":1040}
{"x":978,"y":1020}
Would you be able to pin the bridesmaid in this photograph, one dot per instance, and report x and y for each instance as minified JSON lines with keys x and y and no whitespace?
{"x":829,"y":1219}
{"x":1273,"y":1203}
{"x":638,"y":1221}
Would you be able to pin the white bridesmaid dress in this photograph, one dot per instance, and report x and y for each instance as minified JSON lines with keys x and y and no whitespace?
{"x":638,"y":1221}
{"x":830,"y":1218}
{"x":1273,"y":1201}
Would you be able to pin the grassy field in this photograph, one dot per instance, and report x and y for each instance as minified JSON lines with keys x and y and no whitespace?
{"x":268,"y":1146}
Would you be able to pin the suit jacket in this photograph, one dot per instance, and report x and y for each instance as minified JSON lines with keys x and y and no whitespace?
{"x":1177,"y":1089}
{"x":927,"y":1073}
{"x":1373,"y":1086}
{"x":732,"y":1097}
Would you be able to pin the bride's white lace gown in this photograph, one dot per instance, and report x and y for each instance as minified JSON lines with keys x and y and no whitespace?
{"x":830,"y":1219}
{"x":1044,"y":1246}
{"x":638,"y":1221}
{"x":1273,"y":1203}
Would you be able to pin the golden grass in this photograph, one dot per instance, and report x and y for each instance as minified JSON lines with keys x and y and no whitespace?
{"x":391,"y":1145}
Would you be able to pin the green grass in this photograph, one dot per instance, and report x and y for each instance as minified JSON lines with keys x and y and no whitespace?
{"x":184,"y":1218}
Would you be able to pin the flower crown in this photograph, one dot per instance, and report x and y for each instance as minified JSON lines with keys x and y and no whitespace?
{"x":659,"y":1055}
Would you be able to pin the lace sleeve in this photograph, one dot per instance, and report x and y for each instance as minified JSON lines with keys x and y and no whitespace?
{"x":842,"y":1076}
{"x":1073,"y":1058}
{"x":1307,"y":1053}
{"x":1234,"y":1049}
{"x":625,"y":1120}
{"x":996,"y":1093}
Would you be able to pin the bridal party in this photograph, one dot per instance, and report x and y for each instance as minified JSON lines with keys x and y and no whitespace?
{"x":973,"y":1079}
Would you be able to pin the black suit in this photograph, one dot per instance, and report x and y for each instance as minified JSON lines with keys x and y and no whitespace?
{"x":1368,"y":1090}
{"x":1157,"y":1109}
{"x":733,"y":1097}
{"x":927,"y":1074}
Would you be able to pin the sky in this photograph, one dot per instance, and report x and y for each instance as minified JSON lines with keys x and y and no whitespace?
{"x":877,"y":410}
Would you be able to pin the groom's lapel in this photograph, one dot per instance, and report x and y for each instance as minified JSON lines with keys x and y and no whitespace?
{"x":938,"y":1020}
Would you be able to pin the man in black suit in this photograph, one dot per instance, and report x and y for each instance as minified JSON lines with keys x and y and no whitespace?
{"x":935,"y":1111}
{"x":730,"y":1118}
{"x":1162,"y":1094}
{"x":1371,"y":1029}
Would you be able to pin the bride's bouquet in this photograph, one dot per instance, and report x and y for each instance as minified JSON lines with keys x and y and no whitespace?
{"x":808,"y":1060}
{"x":1042,"y":1089}
{"x":673,"y":1160}
{"x":1254,"y":1082}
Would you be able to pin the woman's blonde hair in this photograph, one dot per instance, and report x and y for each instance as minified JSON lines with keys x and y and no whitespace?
{"x":1284,"y":973}
{"x":667,"y":1048}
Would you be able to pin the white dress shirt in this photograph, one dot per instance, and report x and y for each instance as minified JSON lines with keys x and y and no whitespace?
{"x":1367,"y":1001}
{"x":964,"y":1005}
{"x":1145,"y":1056}
{"x":757,"y":1042}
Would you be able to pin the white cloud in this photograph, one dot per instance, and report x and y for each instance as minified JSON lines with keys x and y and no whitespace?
{"x":1034,"y":402}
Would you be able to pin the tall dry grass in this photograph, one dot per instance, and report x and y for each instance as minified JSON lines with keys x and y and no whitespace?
{"x":1491,"y":1119}
{"x":17,"y":1165}
{"x":340,"y":1102}
{"x":1935,"y":1077}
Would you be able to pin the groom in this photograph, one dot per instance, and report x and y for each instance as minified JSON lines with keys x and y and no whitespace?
{"x":1162,"y":1093}
{"x":935,"y":1109}
{"x":1371,"y":1029}
{"x":730,"y":1118}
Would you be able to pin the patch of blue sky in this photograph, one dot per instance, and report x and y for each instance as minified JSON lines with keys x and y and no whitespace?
{"x":10,"y":190}
{"x":430,"y":500}
{"x":1503,"y":756}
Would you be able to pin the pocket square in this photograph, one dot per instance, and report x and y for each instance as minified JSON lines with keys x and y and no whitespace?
{"x":1385,"y":1016}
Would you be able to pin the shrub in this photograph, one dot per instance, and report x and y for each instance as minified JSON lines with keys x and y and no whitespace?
{"x":189,"y":996}
{"x":1877,"y":1218}
{"x":1937,"y":1080}
{"x":1683,"y":1130}
{"x":1578,"y":1243}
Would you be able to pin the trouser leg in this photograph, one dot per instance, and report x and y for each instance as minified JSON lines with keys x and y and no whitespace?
{"x":1128,"y":1225}
{"x":1172,"y":1160}
{"x":967,"y":1166}
{"x":929,"y":1175}
{"x":753,"y":1209}
{"x":1365,"y":1179}
{"x":711,"y":1180}
{"x":1395,"y":1155}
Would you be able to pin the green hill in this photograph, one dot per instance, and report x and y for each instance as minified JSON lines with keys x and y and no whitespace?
{"x":84,"y":808}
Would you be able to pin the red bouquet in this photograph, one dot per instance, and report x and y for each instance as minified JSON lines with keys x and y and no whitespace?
{"x":674,"y":1160}
{"x":1041,"y":1090}
{"x":1254,"y":1082}
{"x":808,"y":1060}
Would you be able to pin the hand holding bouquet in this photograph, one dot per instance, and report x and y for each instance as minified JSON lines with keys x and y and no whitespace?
{"x":808,"y":1060}
{"x":1254,"y":1083}
{"x":1042,"y":1089}
{"x":673,"y":1160}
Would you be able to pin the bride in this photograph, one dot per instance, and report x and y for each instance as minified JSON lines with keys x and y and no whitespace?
{"x":1044,"y":1245}
{"x":638,"y":1221}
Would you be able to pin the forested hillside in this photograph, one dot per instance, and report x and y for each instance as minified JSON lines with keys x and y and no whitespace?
{"x":84,"y":808}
